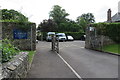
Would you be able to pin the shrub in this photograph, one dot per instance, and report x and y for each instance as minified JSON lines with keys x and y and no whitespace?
{"x":75,"y":35}
{"x":43,"y":35}
{"x":109,"y":29}
{"x":8,"y":50}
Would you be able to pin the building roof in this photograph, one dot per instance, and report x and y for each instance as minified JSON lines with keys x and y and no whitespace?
{"x":116,"y":17}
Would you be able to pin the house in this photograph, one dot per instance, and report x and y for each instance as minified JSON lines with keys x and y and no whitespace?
{"x":116,"y":17}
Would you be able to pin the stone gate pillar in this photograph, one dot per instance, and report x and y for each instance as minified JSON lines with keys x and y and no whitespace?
{"x":87,"y":40}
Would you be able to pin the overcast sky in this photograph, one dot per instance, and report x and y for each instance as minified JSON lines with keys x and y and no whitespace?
{"x":37,"y":10}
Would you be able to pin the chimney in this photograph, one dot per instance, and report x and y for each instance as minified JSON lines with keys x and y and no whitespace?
{"x":109,"y":15}
{"x":119,"y":7}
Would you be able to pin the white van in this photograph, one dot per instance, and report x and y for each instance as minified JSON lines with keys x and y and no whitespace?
{"x":49,"y":37}
{"x":61,"y":36}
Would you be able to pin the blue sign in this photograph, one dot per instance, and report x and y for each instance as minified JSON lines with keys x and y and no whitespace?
{"x":19,"y":34}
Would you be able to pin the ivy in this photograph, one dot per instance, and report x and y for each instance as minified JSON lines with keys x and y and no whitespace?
{"x":8,"y":50}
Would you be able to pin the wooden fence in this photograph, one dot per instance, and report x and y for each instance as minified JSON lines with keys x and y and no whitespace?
{"x":55,"y":44}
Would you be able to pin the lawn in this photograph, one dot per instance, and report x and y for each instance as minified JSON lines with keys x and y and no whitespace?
{"x":114,"y":48}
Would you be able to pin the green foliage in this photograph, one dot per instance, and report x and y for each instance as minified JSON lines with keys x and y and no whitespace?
{"x":69,"y":26}
{"x":24,"y":25}
{"x":43,"y":36}
{"x":12,"y":15}
{"x":82,"y":23}
{"x":75,"y":35}
{"x":109,"y":29}
{"x":8,"y":50}
{"x":47,"y":26}
{"x":89,"y":17}
{"x":114,"y":48}
{"x":20,"y":25}
{"x":85,"y":19}
{"x":31,"y":55}
{"x":66,"y":26}
{"x":59,"y":16}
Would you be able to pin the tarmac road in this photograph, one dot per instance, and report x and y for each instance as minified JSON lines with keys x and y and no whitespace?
{"x":47,"y":64}
{"x":89,"y":63}
{"x":86,"y":63}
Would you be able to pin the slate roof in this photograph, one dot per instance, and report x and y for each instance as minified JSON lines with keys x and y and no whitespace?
{"x":116,"y":17}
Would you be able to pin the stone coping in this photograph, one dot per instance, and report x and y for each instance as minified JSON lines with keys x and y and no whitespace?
{"x":17,"y":67}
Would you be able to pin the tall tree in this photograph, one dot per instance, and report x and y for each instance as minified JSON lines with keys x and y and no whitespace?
{"x":13,"y":15}
{"x":85,"y":19}
{"x":47,"y":26}
{"x":58,"y":15}
{"x":89,"y":17}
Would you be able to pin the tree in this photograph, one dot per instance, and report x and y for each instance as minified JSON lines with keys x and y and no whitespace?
{"x":85,"y":19}
{"x":13,"y":15}
{"x":82,"y":23}
{"x":89,"y":17}
{"x":58,"y":15}
{"x":47,"y":26}
{"x":72,"y":26}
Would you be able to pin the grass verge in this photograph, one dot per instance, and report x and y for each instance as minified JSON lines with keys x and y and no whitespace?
{"x":114,"y":48}
{"x":30,"y":55}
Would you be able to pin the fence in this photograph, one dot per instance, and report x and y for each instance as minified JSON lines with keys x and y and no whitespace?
{"x":55,"y":44}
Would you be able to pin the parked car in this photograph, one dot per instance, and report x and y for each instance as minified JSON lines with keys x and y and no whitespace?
{"x":70,"y":38}
{"x":37,"y":41}
{"x":61,"y":36}
{"x":49,"y":36}
{"x":83,"y":37}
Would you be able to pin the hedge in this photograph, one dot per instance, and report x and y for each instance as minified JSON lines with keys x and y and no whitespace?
{"x":75,"y":35}
{"x":44,"y":35}
{"x":109,"y":29}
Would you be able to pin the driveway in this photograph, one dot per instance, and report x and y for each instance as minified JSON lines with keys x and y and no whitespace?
{"x":73,"y":61}
{"x":89,"y":63}
{"x":47,"y":64}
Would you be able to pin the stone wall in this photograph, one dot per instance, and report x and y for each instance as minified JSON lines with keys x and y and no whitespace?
{"x":94,"y":41}
{"x":17,"y":68}
{"x":0,"y":31}
{"x":23,"y":44}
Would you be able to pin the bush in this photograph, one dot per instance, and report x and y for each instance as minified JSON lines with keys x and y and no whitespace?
{"x":75,"y":35}
{"x":43,"y":35}
{"x":8,"y":50}
{"x":111,"y":30}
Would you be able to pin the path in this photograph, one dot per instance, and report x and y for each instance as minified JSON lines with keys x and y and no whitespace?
{"x":47,"y":64}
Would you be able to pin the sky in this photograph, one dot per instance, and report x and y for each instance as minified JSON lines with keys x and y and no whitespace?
{"x":38,"y":10}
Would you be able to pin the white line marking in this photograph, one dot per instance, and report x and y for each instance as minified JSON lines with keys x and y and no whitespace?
{"x":81,"y":47}
{"x":70,"y":67}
